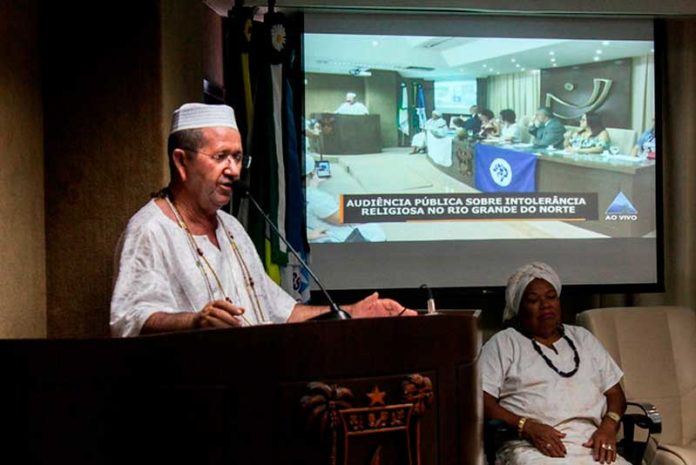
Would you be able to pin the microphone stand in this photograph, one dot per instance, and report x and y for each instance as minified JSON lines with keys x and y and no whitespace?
{"x":335,"y":312}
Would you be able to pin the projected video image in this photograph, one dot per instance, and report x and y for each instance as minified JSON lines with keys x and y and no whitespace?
{"x":425,"y":138}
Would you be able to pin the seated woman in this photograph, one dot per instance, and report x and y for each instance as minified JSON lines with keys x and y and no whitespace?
{"x":489,"y":126}
{"x":592,"y":137}
{"x":645,"y":147}
{"x":509,"y":131}
{"x":554,"y":383}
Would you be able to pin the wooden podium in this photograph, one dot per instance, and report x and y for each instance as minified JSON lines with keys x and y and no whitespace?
{"x":372,"y":391}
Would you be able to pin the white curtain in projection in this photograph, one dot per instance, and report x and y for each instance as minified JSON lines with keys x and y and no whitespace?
{"x":519,"y":92}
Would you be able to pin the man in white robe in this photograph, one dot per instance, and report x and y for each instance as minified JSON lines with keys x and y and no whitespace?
{"x":351,"y":106}
{"x":184,"y":264}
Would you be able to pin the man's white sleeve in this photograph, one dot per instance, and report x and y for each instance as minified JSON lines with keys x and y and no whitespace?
{"x":141,"y":287}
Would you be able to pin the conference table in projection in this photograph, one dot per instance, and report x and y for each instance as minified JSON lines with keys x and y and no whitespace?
{"x":559,"y":171}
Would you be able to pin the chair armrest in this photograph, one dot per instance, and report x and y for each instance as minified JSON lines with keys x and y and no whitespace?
{"x":649,"y":420}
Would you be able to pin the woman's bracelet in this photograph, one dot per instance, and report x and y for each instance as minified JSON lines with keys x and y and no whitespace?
{"x":520,"y":425}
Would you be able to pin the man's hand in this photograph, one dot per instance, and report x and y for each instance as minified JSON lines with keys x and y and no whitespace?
{"x":219,"y":314}
{"x":545,"y":438}
{"x":373,"y":306}
{"x":603,"y":444}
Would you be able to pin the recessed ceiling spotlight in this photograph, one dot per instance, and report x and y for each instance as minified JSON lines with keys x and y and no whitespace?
{"x":553,"y":60}
{"x":375,"y":43}
{"x":605,"y":43}
{"x":554,"y":65}
{"x":522,"y":69}
{"x":485,"y":65}
{"x":517,"y":65}
{"x":552,"y":53}
{"x":596,"y":58}
{"x":513,"y":60}
{"x":599,"y":52}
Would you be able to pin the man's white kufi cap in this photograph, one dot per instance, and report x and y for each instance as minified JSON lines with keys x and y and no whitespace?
{"x":201,"y":115}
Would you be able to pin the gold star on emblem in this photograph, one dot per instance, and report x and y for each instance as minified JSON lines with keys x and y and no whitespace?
{"x":376,"y":396}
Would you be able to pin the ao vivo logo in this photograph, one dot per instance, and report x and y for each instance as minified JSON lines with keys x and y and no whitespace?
{"x":621,"y":209}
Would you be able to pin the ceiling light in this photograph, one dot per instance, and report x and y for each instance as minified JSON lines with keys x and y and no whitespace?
{"x":554,"y":65}
{"x":553,"y":60}
{"x":605,"y":42}
{"x":498,"y":72}
{"x":552,"y":53}
{"x":599,"y":52}
{"x":485,"y":65}
{"x":517,"y":65}
{"x":522,"y":69}
{"x":513,"y":60}
{"x":375,"y":43}
{"x":596,"y":58}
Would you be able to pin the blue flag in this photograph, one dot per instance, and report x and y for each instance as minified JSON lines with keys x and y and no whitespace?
{"x":503,"y":170}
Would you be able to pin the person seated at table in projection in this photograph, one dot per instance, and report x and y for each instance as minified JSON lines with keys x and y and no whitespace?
{"x":460,"y":132}
{"x":591,"y":137}
{"x":323,"y":221}
{"x":546,"y":130}
{"x":435,"y":126}
{"x":489,"y":126}
{"x":646,"y":145}
{"x":351,"y":106}
{"x":553,"y":383}
{"x":473,"y":124}
{"x":509,"y":130}
{"x":183,"y":263}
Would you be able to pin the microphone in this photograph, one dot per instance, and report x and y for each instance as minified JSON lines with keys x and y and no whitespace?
{"x":431,"y":300}
{"x":335,"y":312}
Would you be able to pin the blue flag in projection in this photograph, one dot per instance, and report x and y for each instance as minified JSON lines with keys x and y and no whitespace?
{"x":503,"y":170}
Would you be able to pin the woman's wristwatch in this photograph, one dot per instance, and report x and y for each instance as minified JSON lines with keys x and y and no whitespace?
{"x":614,"y":416}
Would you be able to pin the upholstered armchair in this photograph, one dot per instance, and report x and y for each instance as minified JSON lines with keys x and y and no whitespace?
{"x":656,"y":348}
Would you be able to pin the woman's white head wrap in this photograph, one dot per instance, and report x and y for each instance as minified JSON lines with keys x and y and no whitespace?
{"x":519,"y":281}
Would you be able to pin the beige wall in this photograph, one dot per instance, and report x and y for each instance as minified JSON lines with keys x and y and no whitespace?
{"x":109,"y":94}
{"x":22,"y":256}
{"x":381,"y":90}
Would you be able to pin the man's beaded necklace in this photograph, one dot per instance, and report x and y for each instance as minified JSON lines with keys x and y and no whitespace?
{"x":201,"y":259}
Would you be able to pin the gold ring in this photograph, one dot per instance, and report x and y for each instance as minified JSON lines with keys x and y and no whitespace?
{"x":610,"y":447}
{"x":605,"y":447}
